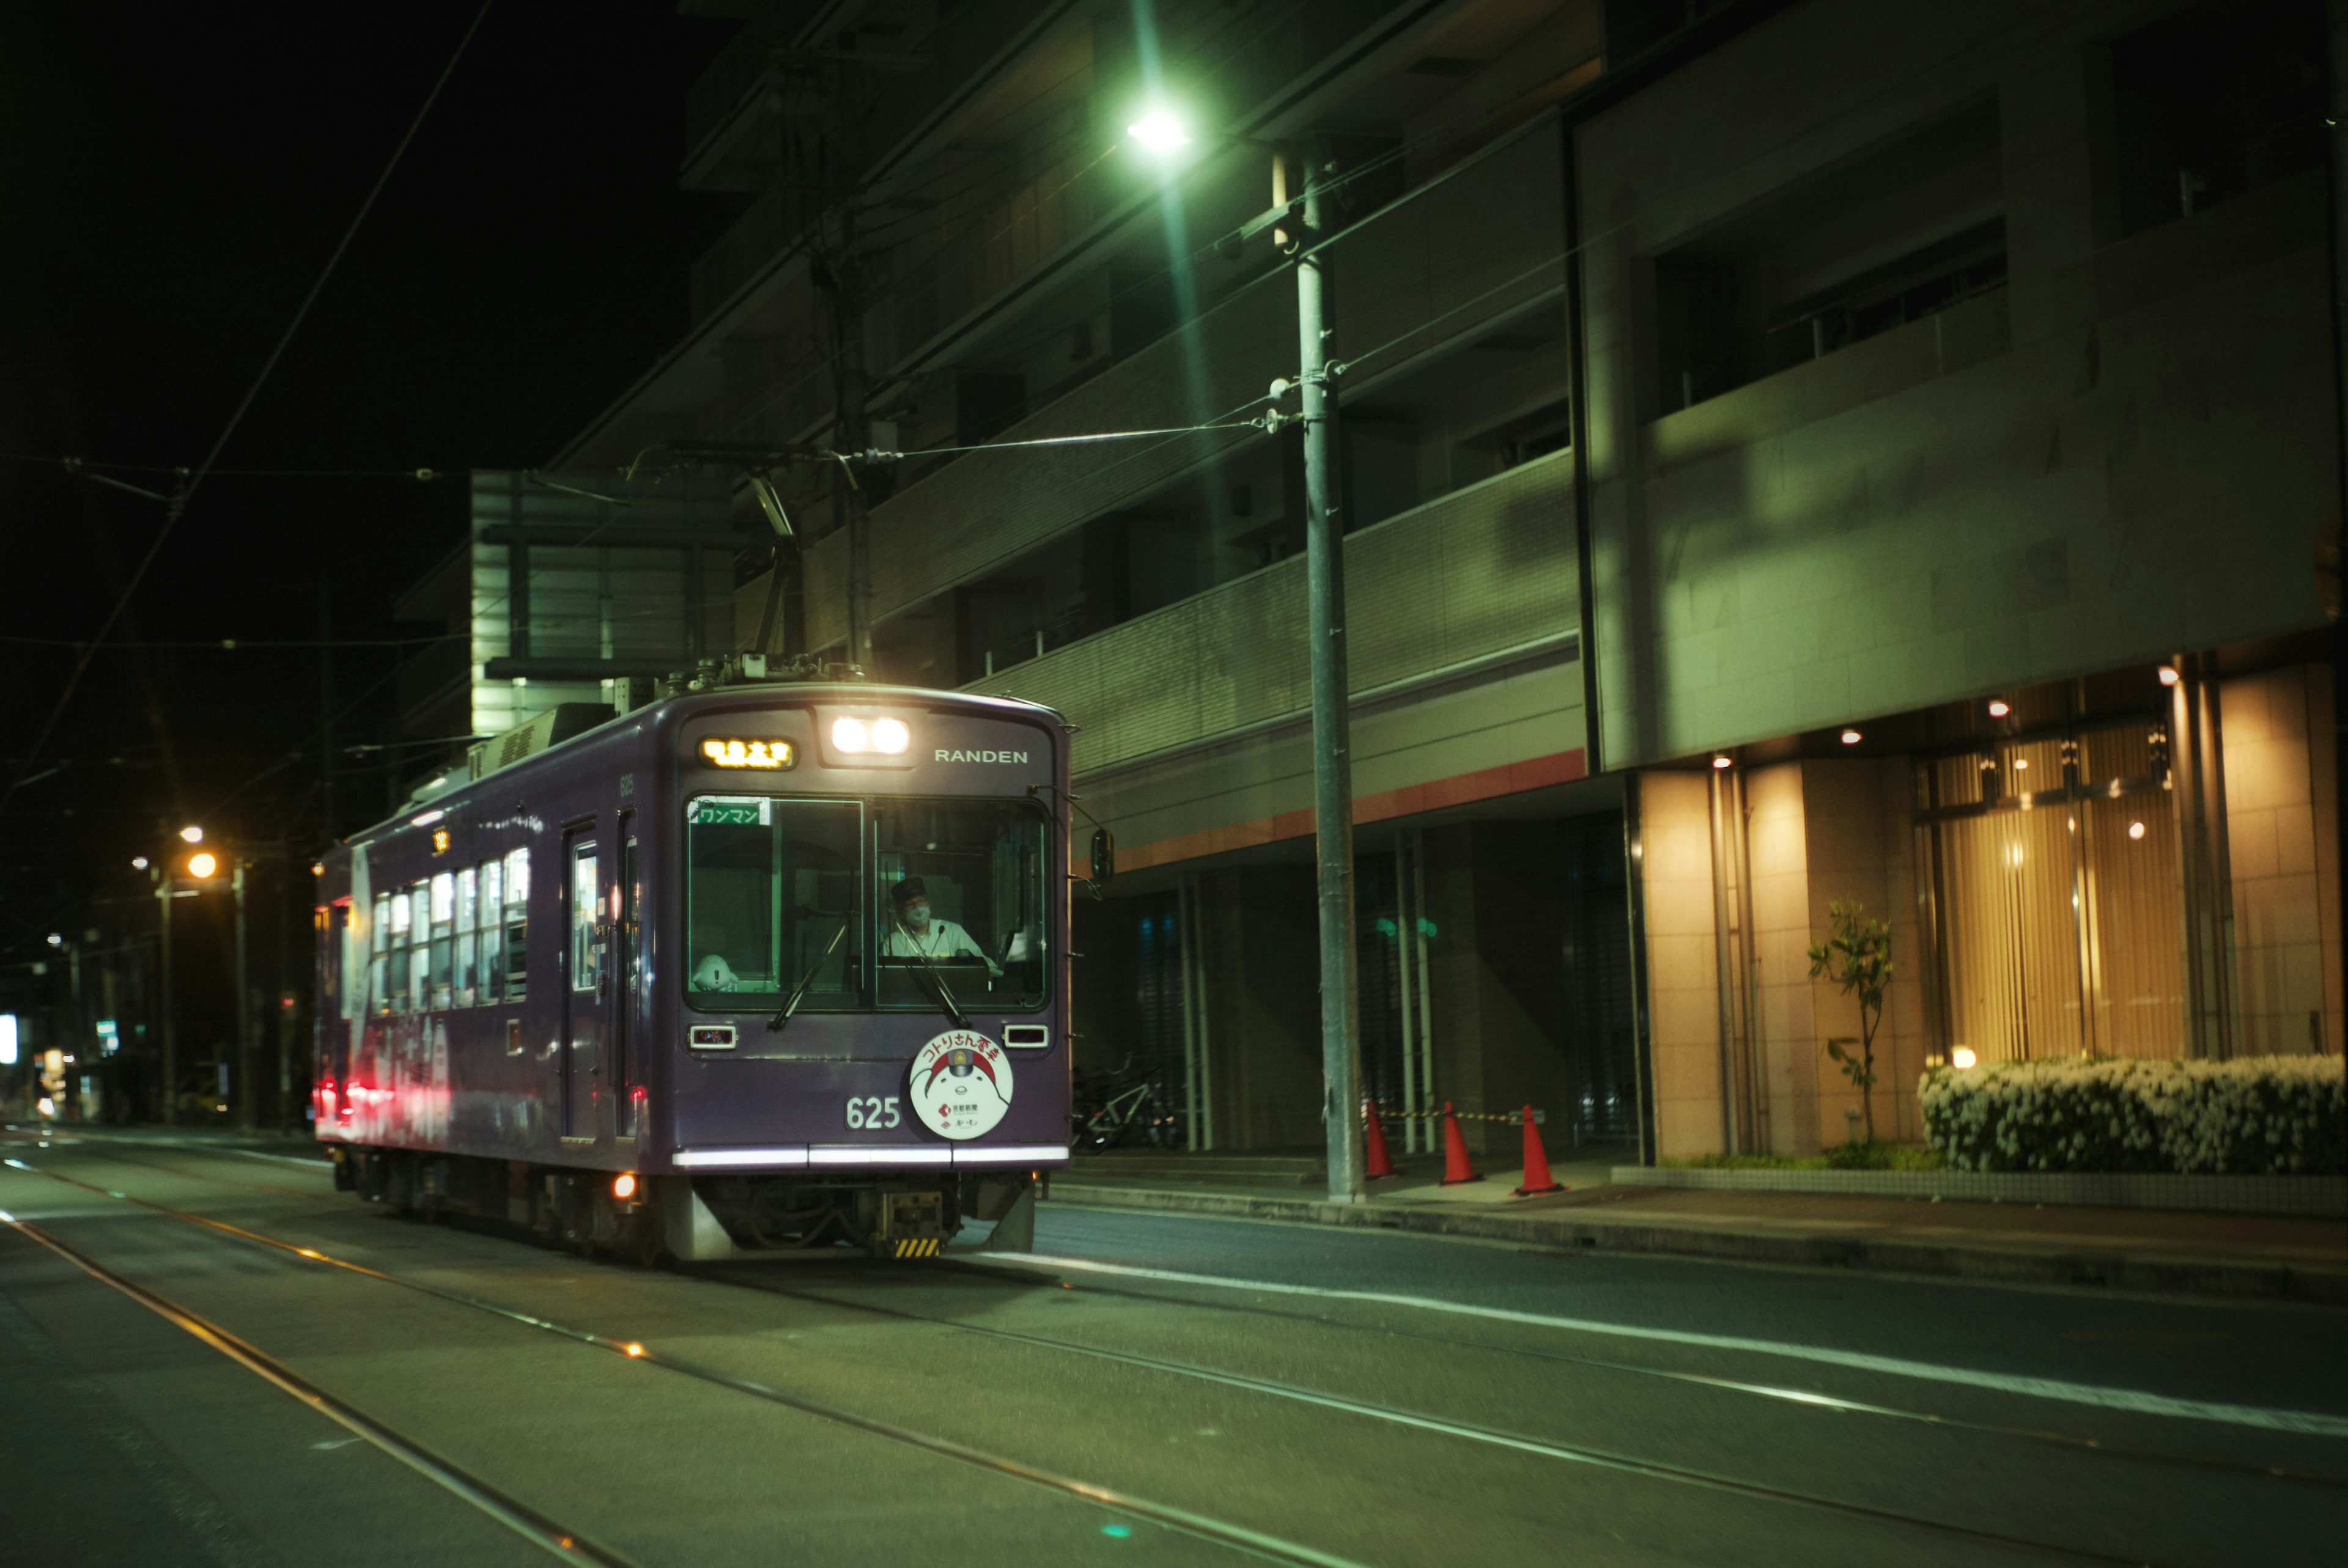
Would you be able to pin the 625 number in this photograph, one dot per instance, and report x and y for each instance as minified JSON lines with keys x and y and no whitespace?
{"x":871,"y":1110}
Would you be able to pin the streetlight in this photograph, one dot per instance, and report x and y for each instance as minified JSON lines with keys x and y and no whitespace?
{"x":1324,"y":578}
{"x":203,"y":865}
{"x":192,"y":834}
{"x":1159,"y":131}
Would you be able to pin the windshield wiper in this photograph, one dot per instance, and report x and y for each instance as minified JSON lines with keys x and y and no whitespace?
{"x":791,"y":1003}
{"x":934,"y":982}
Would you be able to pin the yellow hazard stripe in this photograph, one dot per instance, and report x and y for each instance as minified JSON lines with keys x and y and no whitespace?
{"x":921,"y":1248}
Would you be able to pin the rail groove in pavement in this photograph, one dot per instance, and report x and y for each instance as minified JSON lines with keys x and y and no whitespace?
{"x":1203,"y":1527}
{"x":1219,"y":1532}
{"x":514,"y":1514}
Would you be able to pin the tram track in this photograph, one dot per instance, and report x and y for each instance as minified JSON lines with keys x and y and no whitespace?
{"x":1809,"y":1398}
{"x":1203,"y":1527}
{"x":1215,"y":1532}
{"x":1471,"y":1432}
{"x":533,"y":1526}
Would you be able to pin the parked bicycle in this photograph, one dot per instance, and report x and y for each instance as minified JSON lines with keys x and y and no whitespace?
{"x":1116,"y":1110}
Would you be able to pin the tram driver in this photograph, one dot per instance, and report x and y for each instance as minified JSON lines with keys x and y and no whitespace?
{"x":915,"y":932}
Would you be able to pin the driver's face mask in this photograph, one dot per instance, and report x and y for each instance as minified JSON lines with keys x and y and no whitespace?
{"x":917,"y":915}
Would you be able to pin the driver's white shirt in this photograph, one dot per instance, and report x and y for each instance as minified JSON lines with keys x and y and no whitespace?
{"x":943,"y":939}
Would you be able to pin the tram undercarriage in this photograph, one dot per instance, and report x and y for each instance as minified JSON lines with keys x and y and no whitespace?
{"x":704,"y":1219}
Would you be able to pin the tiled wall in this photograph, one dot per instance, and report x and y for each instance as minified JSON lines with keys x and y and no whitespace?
{"x":1682,"y":961}
{"x":2281,"y":831}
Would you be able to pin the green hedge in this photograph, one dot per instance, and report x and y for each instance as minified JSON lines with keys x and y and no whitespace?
{"x":2270,"y":1114}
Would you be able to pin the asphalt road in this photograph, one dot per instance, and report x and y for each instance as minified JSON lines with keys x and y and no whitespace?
{"x":1146,"y":1388}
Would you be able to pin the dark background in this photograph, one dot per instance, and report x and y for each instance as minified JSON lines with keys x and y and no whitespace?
{"x":174,"y":179}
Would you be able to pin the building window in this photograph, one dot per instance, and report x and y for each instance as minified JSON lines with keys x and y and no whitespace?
{"x":2057,"y":907}
{"x":1911,"y":227}
{"x":2215,"y":100}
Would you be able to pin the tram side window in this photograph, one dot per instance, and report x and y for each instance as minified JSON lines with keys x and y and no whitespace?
{"x":379,"y":945}
{"x":773,"y":897}
{"x":517,"y":923}
{"x":585,"y":895}
{"x":489,"y":935}
{"x":396,"y":949}
{"x":419,"y":938}
{"x":462,"y":982}
{"x":444,"y":940}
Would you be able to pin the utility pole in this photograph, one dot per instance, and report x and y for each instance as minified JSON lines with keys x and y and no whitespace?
{"x":170,"y":1035}
{"x":1332,"y":762}
{"x":244,"y":1007}
{"x":848,"y":436}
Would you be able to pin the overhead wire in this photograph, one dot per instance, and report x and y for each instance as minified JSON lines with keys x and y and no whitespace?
{"x":176,"y":506}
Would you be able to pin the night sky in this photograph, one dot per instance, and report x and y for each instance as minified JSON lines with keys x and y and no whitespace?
{"x":175,"y":178}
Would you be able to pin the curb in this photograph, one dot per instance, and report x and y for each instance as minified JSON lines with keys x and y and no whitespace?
{"x":2117,"y":1271}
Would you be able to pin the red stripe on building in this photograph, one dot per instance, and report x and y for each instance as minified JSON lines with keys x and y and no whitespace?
{"x":1488,"y":783}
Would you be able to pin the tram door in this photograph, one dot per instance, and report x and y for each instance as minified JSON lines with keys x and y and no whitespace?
{"x":626,"y":962}
{"x":584,"y":984}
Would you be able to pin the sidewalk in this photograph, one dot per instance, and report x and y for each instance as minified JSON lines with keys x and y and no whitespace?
{"x":2126,"y":1249}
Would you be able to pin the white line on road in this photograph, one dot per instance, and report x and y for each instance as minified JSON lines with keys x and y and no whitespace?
{"x":307,"y":1161}
{"x":2134,"y":1400}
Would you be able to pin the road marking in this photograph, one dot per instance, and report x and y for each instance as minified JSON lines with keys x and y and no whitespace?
{"x":2136,"y":1401}
{"x":517,"y":1516}
{"x":308,"y":1161}
{"x":1218,"y":1531}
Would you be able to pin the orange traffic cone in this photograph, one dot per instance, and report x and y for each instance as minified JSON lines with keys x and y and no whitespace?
{"x":1381,"y":1164}
{"x":1456,"y":1168}
{"x":1537,"y":1176}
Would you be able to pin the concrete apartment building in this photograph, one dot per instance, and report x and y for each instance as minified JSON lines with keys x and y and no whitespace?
{"x":1791,"y":453}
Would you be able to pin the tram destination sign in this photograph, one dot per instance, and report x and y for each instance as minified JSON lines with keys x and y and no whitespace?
{"x":762,"y":752}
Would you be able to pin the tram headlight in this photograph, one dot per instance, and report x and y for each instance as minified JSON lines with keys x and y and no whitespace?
{"x":890,"y":735}
{"x":849,"y":734}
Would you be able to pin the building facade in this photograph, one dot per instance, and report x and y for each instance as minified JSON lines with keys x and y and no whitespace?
{"x":1791,"y":453}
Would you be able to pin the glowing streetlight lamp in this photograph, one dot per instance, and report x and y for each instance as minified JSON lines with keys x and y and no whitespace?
{"x":193,"y":833}
{"x":203,"y":864}
{"x":1159,"y":131}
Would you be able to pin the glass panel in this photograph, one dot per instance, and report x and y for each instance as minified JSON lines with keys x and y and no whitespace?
{"x":396,"y":941}
{"x":584,"y":894}
{"x":2134,"y":909}
{"x":517,"y":946}
{"x":379,"y":982}
{"x":444,"y":944}
{"x":1957,"y":780}
{"x":468,"y":901}
{"x":772,"y":894}
{"x":2117,"y":753}
{"x":961,"y":884}
{"x":2033,"y":766}
{"x":419,"y":935}
{"x":489,"y":962}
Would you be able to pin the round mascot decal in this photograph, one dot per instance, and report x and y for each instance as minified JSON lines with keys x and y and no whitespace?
{"x":961,"y":1084}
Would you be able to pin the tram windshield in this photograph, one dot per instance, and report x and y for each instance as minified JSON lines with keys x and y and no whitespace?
{"x":948,"y":891}
{"x":961,"y":896}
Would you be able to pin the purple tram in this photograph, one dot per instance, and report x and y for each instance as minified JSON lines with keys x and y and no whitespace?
{"x":769,"y":966}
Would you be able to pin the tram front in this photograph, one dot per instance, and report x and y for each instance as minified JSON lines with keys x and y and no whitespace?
{"x":872,"y":982}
